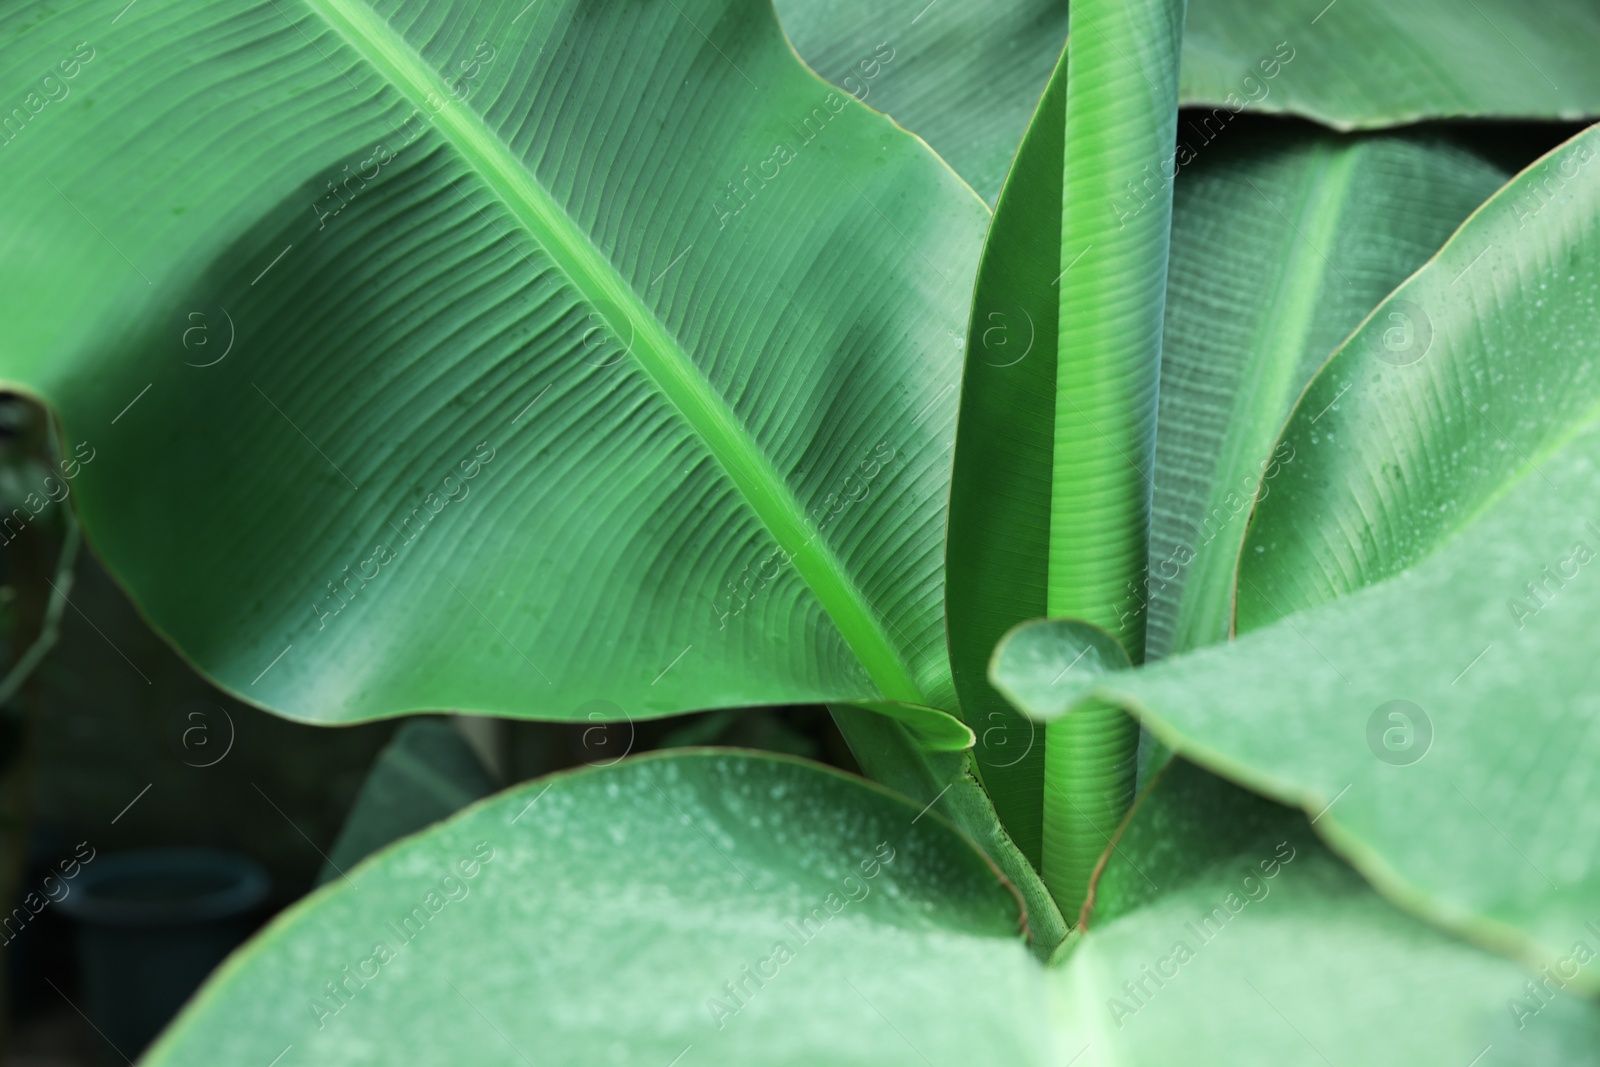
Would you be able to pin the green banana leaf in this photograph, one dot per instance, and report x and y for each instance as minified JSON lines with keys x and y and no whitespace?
{"x":1108,"y":369}
{"x":997,"y":550}
{"x":1241,"y":939}
{"x":758,"y":910}
{"x":767,"y":911}
{"x":1283,"y":240}
{"x":964,"y":75}
{"x":1411,"y":668}
{"x":436,"y":357}
{"x":1072,"y":436}
{"x":1320,"y":227}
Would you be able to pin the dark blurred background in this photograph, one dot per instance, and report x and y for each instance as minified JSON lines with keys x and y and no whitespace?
{"x":115,"y":745}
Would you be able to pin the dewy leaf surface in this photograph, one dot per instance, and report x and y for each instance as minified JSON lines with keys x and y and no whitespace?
{"x":1430,"y":699}
{"x":290,"y":301}
{"x":1252,"y":944}
{"x":859,"y":933}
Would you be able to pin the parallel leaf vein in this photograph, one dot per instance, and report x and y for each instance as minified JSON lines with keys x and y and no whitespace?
{"x":657,"y":351}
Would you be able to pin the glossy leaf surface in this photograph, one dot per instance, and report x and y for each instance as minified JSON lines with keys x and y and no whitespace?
{"x":425,"y":366}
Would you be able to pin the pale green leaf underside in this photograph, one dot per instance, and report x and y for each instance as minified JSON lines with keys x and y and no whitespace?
{"x":1030,"y":669}
{"x":717,"y":440}
{"x":709,"y":861}
{"x":1440,"y":471}
{"x":1255,"y":946}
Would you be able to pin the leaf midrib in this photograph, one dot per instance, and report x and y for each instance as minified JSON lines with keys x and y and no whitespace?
{"x":658,"y":353}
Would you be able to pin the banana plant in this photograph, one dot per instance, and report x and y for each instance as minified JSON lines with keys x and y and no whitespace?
{"x":599,"y":362}
{"x":1379,"y":658}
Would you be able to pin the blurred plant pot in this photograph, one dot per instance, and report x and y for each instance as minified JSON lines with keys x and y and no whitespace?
{"x":151,"y":925}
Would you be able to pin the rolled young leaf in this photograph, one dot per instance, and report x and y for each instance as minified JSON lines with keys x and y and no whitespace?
{"x":1280,"y":246}
{"x":1122,"y":76}
{"x":1050,"y":503}
{"x":998,"y":548}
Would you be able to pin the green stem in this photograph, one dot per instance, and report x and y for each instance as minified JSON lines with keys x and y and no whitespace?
{"x":1116,"y":220}
{"x":947,"y":781}
{"x":1088,"y":787}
